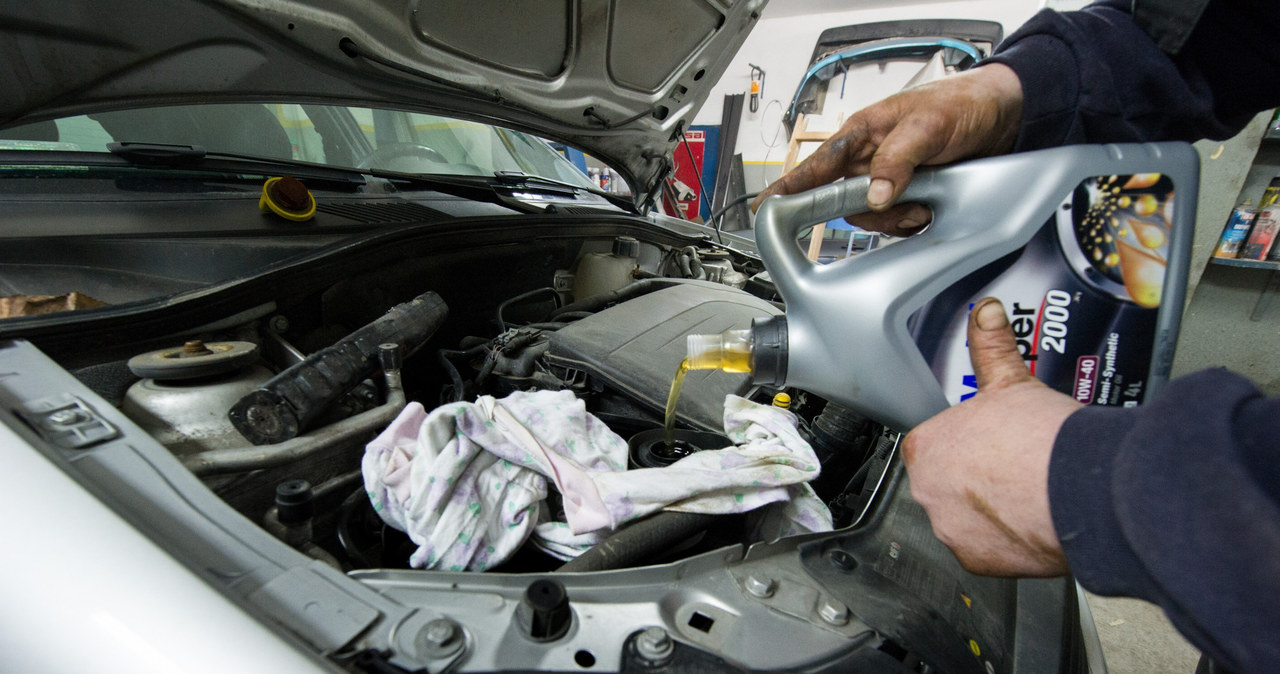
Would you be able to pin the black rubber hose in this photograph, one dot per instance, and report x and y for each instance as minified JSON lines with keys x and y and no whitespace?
{"x":452,"y":371}
{"x":695,"y":265}
{"x":639,"y":541}
{"x":346,"y":538}
{"x":686,"y":267}
{"x":502,"y":308}
{"x":445,"y":354}
{"x":284,"y":406}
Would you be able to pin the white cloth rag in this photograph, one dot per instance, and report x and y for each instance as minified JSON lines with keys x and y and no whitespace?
{"x":467,"y":482}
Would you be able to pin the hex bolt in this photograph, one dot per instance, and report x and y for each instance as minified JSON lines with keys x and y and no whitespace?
{"x":842,"y":560}
{"x":654,"y":644}
{"x":279,"y":324}
{"x":440,"y":638}
{"x":761,"y":587}
{"x":833,"y":612}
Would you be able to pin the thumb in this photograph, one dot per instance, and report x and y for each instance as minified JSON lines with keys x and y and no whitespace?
{"x":992,"y":347}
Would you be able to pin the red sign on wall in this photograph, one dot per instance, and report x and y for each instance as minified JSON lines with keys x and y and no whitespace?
{"x":685,"y":172}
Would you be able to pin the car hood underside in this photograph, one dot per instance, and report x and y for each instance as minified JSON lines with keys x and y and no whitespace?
{"x":618,"y":79}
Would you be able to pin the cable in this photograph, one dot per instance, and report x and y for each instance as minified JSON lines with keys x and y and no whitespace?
{"x":702,"y":188}
{"x":733,"y":202}
{"x":777,"y":128}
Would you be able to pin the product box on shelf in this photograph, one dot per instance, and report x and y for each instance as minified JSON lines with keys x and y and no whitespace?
{"x":1237,"y":230}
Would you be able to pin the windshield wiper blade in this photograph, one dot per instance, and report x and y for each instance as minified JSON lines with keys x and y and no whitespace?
{"x":195,"y":156}
{"x":177,"y":155}
{"x":157,"y":153}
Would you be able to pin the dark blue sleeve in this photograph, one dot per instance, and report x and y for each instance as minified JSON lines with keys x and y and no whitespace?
{"x":1094,"y":76}
{"x":1178,"y":503}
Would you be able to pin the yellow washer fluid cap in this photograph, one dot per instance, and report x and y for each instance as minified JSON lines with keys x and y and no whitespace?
{"x":782,"y":400}
{"x":288,"y":198}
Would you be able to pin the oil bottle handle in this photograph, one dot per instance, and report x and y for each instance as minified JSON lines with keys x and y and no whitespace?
{"x":981,"y":211}
{"x":962,"y":211}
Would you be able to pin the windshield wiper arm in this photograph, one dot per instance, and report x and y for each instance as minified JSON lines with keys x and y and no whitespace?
{"x":522,"y":178}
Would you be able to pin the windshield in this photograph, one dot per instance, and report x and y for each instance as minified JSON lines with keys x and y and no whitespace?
{"x":347,"y":137}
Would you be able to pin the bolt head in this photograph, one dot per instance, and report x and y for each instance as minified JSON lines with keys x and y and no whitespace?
{"x":440,"y":632}
{"x":833,"y":612}
{"x":654,"y":644}
{"x":195,"y":347}
{"x":440,"y":638}
{"x":762,"y":587}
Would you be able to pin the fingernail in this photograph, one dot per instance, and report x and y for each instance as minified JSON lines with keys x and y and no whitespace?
{"x":991,"y":316}
{"x":880,"y":192}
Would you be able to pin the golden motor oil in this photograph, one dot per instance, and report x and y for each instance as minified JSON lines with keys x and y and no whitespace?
{"x":1086,"y":246}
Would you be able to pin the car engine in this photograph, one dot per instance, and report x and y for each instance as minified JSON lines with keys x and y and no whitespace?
{"x":277,"y":432}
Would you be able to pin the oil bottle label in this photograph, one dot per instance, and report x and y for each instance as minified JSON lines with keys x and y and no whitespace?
{"x":1083,"y":296}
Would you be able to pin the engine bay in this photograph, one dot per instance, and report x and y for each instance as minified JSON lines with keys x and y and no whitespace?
{"x":321,"y":350}
{"x":273,"y":414}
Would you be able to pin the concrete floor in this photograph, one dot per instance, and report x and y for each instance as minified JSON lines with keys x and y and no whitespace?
{"x":1137,"y":638}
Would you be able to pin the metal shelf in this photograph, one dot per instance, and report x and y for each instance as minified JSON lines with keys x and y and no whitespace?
{"x":1251,"y":264}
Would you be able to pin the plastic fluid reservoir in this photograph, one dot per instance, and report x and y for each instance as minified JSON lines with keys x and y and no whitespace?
{"x":600,"y":273}
{"x":1086,"y":246}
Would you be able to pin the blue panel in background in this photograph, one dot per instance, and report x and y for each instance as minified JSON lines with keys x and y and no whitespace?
{"x":575,"y":157}
{"x":710,"y":154}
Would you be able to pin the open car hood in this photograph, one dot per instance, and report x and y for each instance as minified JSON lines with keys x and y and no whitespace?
{"x":617,"y":79}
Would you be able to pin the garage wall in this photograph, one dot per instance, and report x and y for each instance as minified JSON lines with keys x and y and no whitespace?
{"x":783,"y":41}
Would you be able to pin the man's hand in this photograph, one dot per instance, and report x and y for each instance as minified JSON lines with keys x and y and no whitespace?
{"x":981,"y":468}
{"x":973,"y":114}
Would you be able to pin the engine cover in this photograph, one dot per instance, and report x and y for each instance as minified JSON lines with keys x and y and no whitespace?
{"x":635,"y":347}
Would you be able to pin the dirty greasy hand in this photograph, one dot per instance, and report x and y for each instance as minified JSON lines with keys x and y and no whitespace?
{"x":981,"y":468}
{"x":973,"y":114}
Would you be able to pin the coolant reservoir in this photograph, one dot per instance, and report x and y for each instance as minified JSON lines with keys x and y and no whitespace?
{"x":600,"y":273}
{"x":1086,"y":246}
{"x":183,"y":398}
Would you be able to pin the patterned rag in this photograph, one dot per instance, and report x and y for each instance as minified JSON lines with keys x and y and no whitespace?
{"x":467,"y":482}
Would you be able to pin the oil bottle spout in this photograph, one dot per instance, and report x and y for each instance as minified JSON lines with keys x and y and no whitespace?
{"x":760,"y":350}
